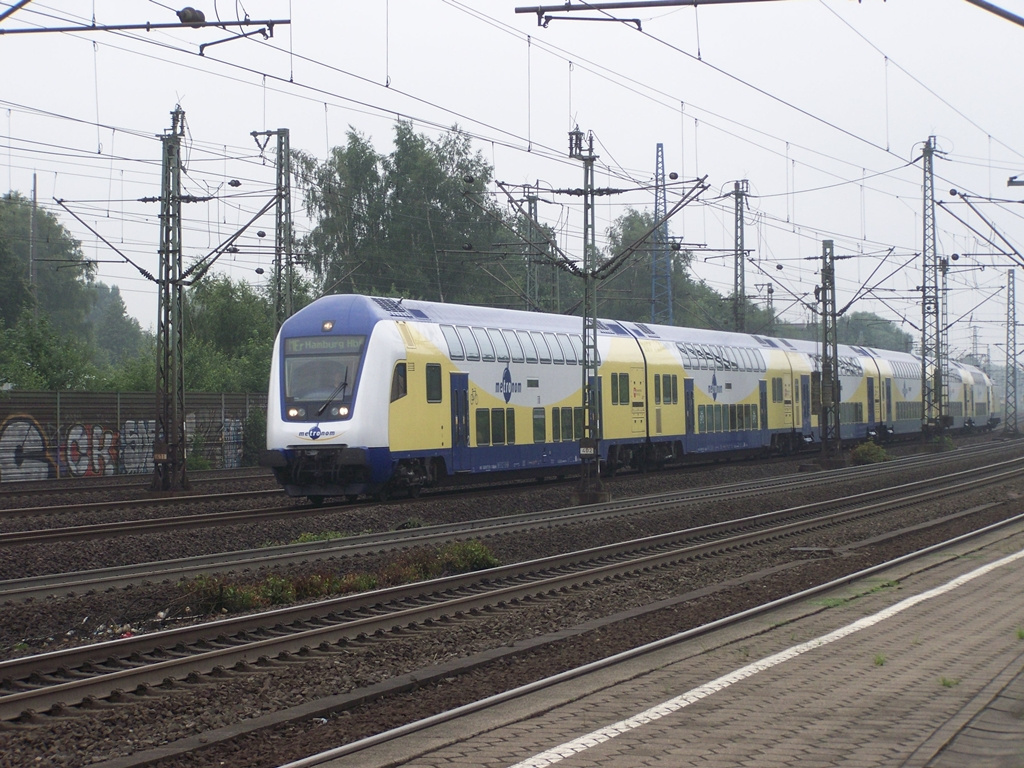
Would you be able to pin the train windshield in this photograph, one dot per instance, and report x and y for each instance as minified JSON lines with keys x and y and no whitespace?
{"x":319,"y":375}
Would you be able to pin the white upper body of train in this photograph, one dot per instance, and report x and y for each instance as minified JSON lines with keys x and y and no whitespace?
{"x":368,"y":395}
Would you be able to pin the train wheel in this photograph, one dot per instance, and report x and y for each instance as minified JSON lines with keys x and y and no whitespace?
{"x":316,"y":501}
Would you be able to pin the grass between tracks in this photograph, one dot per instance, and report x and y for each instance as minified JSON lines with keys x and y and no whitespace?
{"x":212,"y":594}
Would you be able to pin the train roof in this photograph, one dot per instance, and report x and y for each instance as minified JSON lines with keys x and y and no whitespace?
{"x":355,"y":313}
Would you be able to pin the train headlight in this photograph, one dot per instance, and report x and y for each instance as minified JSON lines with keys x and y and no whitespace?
{"x":343,"y":411}
{"x":296,"y":413}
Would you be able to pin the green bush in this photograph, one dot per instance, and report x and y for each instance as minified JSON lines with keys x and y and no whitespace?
{"x":277,"y":591}
{"x":869,"y":453}
{"x":194,"y":458}
{"x":210,"y":594}
{"x":254,"y":436}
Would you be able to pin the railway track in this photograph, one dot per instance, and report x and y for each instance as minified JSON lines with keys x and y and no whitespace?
{"x":80,"y":582}
{"x":128,"y":483}
{"x":54,"y":681}
{"x":194,"y":520}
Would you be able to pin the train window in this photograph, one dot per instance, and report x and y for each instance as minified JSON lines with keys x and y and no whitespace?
{"x":759,"y":364}
{"x":624,"y":389}
{"x":540,"y":427}
{"x":510,"y":426}
{"x":498,"y":342}
{"x":747,"y":358}
{"x":567,"y":424}
{"x":684,"y":355}
{"x":657,"y":388}
{"x":543,"y":353}
{"x":731,"y":358}
{"x":399,"y":388}
{"x":706,"y":358}
{"x":567,"y":351}
{"x":577,"y":417}
{"x":486,"y":348}
{"x":556,"y":351}
{"x":556,"y":426}
{"x":528,"y":346}
{"x":701,"y":419}
{"x":497,"y":426}
{"x":483,"y":426}
{"x":577,"y":346}
{"x":514,"y":346}
{"x":718,"y":417}
{"x":433,"y":383}
{"x":469,"y":341}
{"x":455,"y":350}
{"x":675,"y":388}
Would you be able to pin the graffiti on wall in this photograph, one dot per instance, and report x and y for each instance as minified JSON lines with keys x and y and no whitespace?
{"x":89,"y":450}
{"x":24,"y":454}
{"x":137,"y":438}
{"x":232,"y":443}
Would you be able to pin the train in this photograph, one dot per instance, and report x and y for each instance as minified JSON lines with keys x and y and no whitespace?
{"x":375,"y":396}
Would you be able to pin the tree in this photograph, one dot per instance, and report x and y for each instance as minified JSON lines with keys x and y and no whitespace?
{"x":118,"y":337}
{"x":34,"y":355}
{"x":860,"y":328}
{"x":400,"y":224}
{"x":63,"y":278}
{"x":229,"y":336}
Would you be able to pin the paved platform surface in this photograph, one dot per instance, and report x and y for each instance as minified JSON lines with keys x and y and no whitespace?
{"x":922,"y":666}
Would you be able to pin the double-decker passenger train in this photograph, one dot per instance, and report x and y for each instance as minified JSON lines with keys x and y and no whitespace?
{"x":374,"y":395}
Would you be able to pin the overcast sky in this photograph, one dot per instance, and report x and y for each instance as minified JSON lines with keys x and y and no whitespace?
{"x":822,"y":105}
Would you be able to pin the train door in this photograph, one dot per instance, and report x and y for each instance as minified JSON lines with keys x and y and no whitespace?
{"x":763,"y":387}
{"x":688,"y":404}
{"x":638,"y":399}
{"x":888,"y":401}
{"x":460,"y":422}
{"x":805,"y":403}
{"x":871,"y":401}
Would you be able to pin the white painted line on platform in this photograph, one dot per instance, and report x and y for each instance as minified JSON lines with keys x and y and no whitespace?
{"x":592,"y":739}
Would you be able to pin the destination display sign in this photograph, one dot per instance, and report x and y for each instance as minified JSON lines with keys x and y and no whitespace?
{"x":324,"y":345}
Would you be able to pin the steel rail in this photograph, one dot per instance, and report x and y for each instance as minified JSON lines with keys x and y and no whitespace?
{"x":496,"y":587}
{"x":105,"y":578}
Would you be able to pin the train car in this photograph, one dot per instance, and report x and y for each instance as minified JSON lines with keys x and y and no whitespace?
{"x":373,"y":395}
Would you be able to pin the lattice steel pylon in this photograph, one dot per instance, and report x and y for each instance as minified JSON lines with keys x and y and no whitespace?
{"x":283,"y":263}
{"x":932,"y":333}
{"x":283,"y":230}
{"x":169,"y":444}
{"x":661,"y":253}
{"x":1010,"y":406}
{"x":590,"y":479}
{"x":739,"y":282}
{"x":831,"y":443}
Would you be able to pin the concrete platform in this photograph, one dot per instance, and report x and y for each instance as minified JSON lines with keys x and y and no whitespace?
{"x":919,"y":666}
